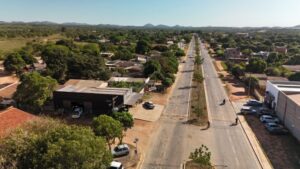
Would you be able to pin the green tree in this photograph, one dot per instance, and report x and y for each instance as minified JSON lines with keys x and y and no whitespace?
{"x":125,"y":118}
{"x":179,"y":53}
{"x":238,"y":70}
{"x":142,"y":47}
{"x":167,"y":82}
{"x":14,"y":63}
{"x":91,"y":49}
{"x":294,"y":77}
{"x":87,"y":67}
{"x":256,"y":65}
{"x":201,"y":156}
{"x":123,"y":54}
{"x":273,"y":71}
{"x":108,"y":128}
{"x":34,"y":90}
{"x":54,"y":145}
{"x":151,"y":66}
{"x":56,"y":57}
{"x":27,"y":57}
{"x":198,"y":77}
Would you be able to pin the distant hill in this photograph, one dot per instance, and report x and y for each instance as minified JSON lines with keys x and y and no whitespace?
{"x":297,"y":27}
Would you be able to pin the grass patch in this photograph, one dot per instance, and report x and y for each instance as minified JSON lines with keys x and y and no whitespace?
{"x":224,"y":65}
{"x":192,"y":165}
{"x":7,"y":45}
{"x":198,"y":115}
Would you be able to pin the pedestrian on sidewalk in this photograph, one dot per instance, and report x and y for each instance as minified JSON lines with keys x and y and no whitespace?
{"x":208,"y":124}
{"x":236,"y":120}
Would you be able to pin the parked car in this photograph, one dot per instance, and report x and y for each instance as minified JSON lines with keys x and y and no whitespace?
{"x":265,"y":111}
{"x":116,"y":165}
{"x":268,"y":119}
{"x":254,"y":103}
{"x":275,"y":128}
{"x":120,"y":150}
{"x":77,"y":112}
{"x":149,"y":105}
{"x":248,"y":110}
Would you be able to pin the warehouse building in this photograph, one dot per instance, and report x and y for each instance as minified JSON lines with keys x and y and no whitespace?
{"x":284,"y":98}
{"x":93,"y":96}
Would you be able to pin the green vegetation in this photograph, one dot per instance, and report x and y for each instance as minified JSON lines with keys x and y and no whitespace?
{"x":108,"y":128}
{"x":259,"y":41}
{"x":14,"y":63}
{"x":198,"y":110}
{"x":224,"y":65}
{"x":200,"y":158}
{"x":125,"y":118}
{"x":34,"y":91}
{"x":47,"y":143}
{"x":136,"y":86}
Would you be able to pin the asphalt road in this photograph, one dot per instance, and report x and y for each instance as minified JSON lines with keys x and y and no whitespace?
{"x":173,"y":140}
{"x":166,"y":150}
{"x":232,"y":148}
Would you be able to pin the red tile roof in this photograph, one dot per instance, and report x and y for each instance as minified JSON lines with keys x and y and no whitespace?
{"x":12,"y":118}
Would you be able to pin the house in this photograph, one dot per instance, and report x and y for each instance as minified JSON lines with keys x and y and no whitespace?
{"x":106,"y":54}
{"x":170,"y":42}
{"x":104,"y":40}
{"x":11,"y":118}
{"x":292,"y":68}
{"x":234,"y":55}
{"x":262,"y":54}
{"x":155,"y":53}
{"x":129,"y":80}
{"x":242,"y":35}
{"x":119,"y":64}
{"x":140,"y":83}
{"x":284,"y":98}
{"x":141,"y":58}
{"x":93,"y":96}
{"x":281,"y":49}
{"x":181,"y":45}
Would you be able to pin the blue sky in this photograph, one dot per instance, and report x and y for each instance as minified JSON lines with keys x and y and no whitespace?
{"x":169,"y":12}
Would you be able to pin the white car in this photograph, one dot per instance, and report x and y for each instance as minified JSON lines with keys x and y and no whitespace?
{"x":268,"y":119}
{"x":77,"y":112}
{"x":116,"y":165}
{"x":120,"y":150}
{"x":247,"y":110}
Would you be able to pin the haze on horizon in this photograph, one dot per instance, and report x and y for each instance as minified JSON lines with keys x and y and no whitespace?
{"x":232,"y":13}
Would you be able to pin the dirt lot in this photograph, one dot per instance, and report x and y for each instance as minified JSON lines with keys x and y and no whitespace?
{"x":282,"y":150}
{"x":141,"y":130}
{"x":236,"y":90}
{"x":7,"y":78}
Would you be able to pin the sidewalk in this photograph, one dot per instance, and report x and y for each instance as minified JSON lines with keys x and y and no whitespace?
{"x":260,"y":154}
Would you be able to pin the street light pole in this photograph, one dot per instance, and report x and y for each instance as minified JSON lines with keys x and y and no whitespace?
{"x":249,"y":90}
{"x":136,"y":140}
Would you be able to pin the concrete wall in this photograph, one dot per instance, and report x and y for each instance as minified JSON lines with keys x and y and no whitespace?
{"x":273,"y":90}
{"x":289,"y":113}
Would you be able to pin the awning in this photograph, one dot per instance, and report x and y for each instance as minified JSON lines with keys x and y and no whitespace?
{"x":133,"y":99}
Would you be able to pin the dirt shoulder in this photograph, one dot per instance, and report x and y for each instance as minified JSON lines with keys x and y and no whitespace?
{"x":235,"y":89}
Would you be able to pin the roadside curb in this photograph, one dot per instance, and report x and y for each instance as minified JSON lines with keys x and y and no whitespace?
{"x":141,"y":161}
{"x":255,"y":145}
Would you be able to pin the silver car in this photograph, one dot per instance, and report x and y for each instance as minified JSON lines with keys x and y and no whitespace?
{"x":268,"y":119}
{"x":120,"y":150}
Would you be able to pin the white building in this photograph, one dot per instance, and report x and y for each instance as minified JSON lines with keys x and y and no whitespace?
{"x":284,"y":98}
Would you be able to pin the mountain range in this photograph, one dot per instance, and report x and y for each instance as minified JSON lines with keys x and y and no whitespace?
{"x":148,"y":25}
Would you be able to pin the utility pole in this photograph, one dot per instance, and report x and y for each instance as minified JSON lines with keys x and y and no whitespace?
{"x":249,"y":90}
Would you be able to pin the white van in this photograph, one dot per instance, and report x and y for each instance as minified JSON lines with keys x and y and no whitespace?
{"x":116,"y":165}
